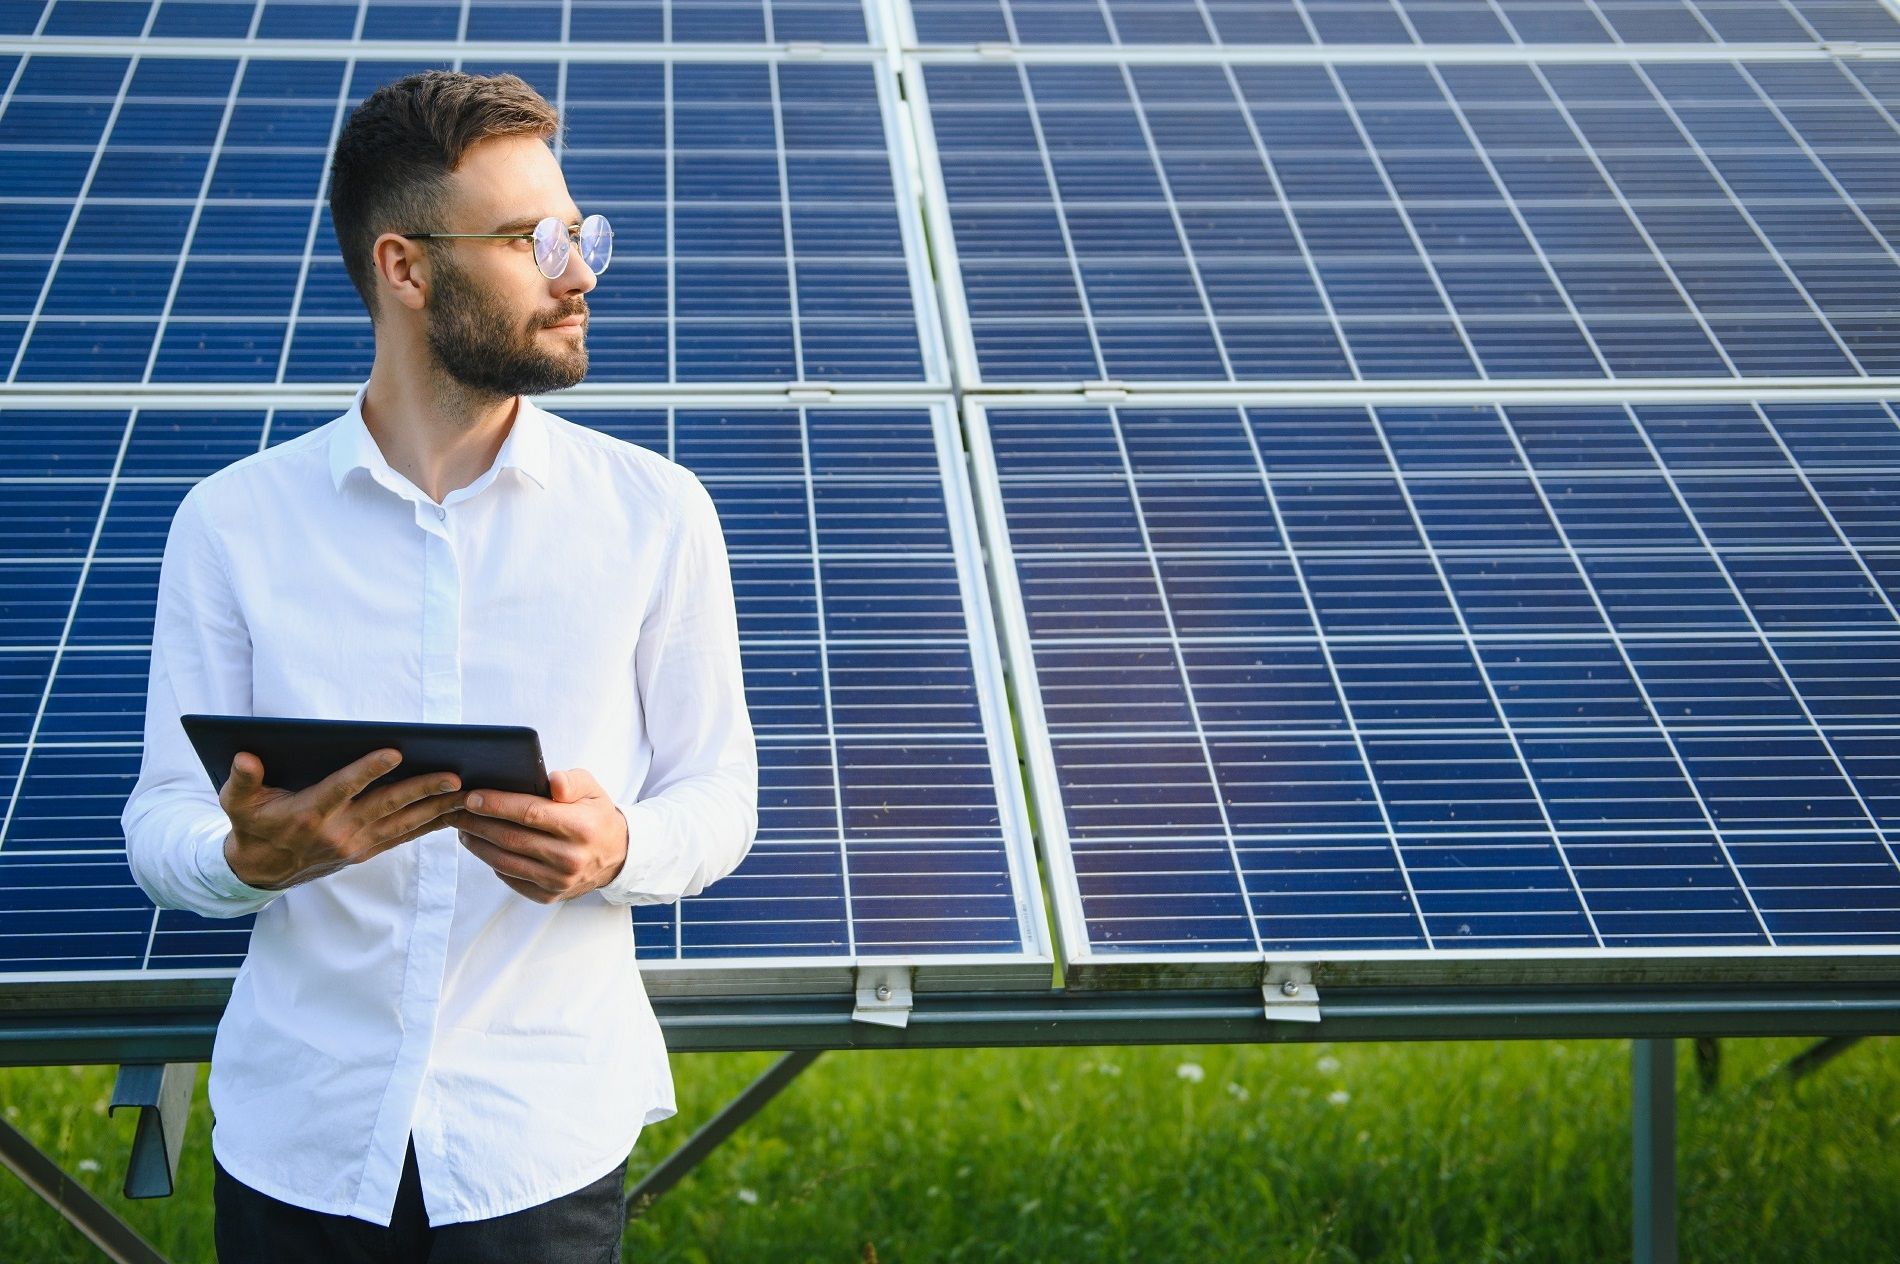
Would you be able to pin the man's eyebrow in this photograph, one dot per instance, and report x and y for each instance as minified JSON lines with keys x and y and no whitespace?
{"x":526,"y":222}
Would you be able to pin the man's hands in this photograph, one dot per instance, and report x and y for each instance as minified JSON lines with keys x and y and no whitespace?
{"x":546,"y":849}
{"x":280,"y":839}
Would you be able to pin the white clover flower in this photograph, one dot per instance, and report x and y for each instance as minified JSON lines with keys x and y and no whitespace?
{"x":1327,"y":1065}
{"x":1237,"y":1092}
{"x":89,"y":1165}
{"x":1339,"y":1097}
{"x":1191,"y":1072}
{"x":748,"y":1196}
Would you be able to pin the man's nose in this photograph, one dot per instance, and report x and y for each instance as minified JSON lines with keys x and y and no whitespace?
{"x":577,"y":277}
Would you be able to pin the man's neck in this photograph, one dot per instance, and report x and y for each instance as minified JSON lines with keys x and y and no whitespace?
{"x":431,"y":430}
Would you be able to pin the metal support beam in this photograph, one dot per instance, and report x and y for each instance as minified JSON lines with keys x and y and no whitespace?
{"x":119,"y":1241}
{"x":1653,"y":1175}
{"x":115,"y":1032}
{"x":1816,"y":1056}
{"x":162,"y":1093}
{"x":674,"y":1167}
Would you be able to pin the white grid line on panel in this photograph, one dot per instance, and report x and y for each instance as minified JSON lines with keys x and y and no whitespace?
{"x":1787,"y":678}
{"x":1616,"y":638}
{"x":1807,"y":484}
{"x":785,"y":226}
{"x":1741,"y":208}
{"x":316,"y":217}
{"x":1339,"y":687}
{"x":1794,"y":133}
{"x":1523,"y":225}
{"x":1062,"y":220}
{"x":1484,"y":675}
{"x":79,"y":206}
{"x":197,"y":212}
{"x":1174,"y":215}
{"x":1293,"y":224}
{"x":1187,"y":687}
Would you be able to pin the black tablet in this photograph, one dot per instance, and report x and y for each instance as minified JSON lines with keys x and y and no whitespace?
{"x":298,"y":753}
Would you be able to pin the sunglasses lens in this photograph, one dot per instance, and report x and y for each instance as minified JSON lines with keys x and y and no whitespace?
{"x":597,"y":242}
{"x":550,"y":247}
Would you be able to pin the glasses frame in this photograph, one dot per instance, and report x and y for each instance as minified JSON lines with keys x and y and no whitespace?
{"x":567,"y":235}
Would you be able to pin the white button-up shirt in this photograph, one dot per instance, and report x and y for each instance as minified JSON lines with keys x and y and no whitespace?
{"x":580,"y":586}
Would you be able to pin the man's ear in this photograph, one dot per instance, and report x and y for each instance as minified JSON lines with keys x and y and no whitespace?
{"x":402,"y":267}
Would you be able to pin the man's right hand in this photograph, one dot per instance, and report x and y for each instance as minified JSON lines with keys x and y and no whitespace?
{"x":279,"y":838}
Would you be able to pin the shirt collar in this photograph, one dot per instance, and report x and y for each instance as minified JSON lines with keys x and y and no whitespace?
{"x":526,"y":447}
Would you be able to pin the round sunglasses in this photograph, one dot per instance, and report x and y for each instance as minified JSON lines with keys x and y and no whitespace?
{"x":552,"y":239}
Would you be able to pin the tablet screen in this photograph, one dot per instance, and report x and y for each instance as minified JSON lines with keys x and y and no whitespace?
{"x":298,"y":753}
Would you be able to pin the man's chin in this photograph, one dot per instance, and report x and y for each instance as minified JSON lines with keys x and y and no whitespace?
{"x":540,"y":380}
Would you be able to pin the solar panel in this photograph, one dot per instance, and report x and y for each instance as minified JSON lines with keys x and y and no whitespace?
{"x":438,"y":23}
{"x":891,"y":827}
{"x":167,"y":220}
{"x":1561,"y":221}
{"x":1329,"y":680}
{"x":1514,"y":23}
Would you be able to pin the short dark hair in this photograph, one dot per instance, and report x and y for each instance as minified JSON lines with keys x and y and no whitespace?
{"x":392,"y":163}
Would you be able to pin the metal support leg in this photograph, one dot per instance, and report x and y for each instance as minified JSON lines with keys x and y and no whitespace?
{"x":1653,"y":1097}
{"x":747,"y":1104}
{"x":1818,"y":1055}
{"x":162,"y":1092}
{"x":1708,"y":1062}
{"x":102,"y":1227}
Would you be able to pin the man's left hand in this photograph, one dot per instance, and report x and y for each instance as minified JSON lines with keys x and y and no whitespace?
{"x":547,"y":849}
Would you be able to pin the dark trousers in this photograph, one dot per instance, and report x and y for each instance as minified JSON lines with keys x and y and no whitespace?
{"x":583,"y":1227}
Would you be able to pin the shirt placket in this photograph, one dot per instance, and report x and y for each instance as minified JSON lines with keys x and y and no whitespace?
{"x":436,"y":863}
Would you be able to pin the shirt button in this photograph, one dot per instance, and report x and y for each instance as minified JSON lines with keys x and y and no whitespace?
{"x":441,"y":513}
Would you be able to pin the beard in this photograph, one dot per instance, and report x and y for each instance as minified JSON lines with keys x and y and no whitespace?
{"x":481,"y":348}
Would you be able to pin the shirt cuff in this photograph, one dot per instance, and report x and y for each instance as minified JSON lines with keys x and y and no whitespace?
{"x":651,"y":873}
{"x":218,"y":875}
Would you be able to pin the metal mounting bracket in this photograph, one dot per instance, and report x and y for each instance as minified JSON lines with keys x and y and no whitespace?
{"x":808,"y":393}
{"x":883,"y":996}
{"x":163,"y":1095}
{"x":1289,"y":994}
{"x":1109,"y":390}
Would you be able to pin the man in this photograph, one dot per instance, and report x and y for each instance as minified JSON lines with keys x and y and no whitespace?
{"x":439,"y":1046}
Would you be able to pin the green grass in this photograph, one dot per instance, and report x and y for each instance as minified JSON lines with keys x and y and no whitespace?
{"x":1397,"y":1152}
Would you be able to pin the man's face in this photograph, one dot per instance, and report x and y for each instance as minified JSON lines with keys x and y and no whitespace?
{"x":492,"y":321}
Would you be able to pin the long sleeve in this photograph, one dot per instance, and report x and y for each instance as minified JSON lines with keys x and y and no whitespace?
{"x":699,"y":812}
{"x":175,"y":828}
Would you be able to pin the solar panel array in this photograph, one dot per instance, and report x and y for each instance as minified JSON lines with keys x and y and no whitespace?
{"x":1432,"y":478}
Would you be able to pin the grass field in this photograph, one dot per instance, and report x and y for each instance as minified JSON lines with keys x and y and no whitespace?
{"x":1395,"y":1152}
